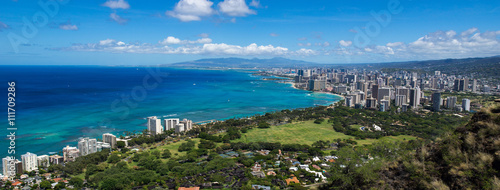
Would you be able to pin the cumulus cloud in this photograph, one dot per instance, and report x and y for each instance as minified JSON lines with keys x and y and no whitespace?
{"x":439,"y":44}
{"x":119,"y":4}
{"x":3,"y":26}
{"x":191,"y":10}
{"x":235,"y":8}
{"x":172,"y":45}
{"x":345,"y":43}
{"x":68,"y":26}
{"x":118,"y":18}
{"x":173,"y":40}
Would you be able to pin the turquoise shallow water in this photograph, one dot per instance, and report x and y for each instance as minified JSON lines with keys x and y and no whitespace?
{"x":56,"y":105}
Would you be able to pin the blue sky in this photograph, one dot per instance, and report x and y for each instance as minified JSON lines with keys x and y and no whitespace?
{"x":133,"y":32}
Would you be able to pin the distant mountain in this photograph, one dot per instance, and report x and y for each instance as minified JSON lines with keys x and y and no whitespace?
{"x":244,"y":63}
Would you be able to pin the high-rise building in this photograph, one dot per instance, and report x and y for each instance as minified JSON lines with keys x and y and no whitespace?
{"x":19,"y":167}
{"x":403,"y":91}
{"x":371,"y":103}
{"x":375,"y":91}
{"x":188,"y":124}
{"x":436,"y":101}
{"x":451,"y":102}
{"x":464,"y":85}
{"x":87,"y":146}
{"x":466,"y":104}
{"x":414,"y":97}
{"x":382,"y":92}
{"x":30,"y":161}
{"x":154,"y":126}
{"x":70,"y":153}
{"x":400,"y":100}
{"x":349,"y":101}
{"x":384,"y":105}
{"x":43,"y":161}
{"x":474,"y":85}
{"x":179,"y":128}
{"x":310,"y":85}
{"x":170,"y":123}
{"x":9,"y":166}
{"x":109,"y":138}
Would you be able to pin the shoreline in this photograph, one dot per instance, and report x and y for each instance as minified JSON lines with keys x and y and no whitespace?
{"x":293,"y":86}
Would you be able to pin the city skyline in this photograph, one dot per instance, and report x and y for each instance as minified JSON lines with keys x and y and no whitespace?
{"x":120,"y":32}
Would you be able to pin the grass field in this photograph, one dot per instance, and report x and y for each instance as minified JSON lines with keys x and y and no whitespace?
{"x":306,"y":132}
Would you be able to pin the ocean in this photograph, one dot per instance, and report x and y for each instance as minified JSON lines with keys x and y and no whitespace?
{"x":56,"y":105}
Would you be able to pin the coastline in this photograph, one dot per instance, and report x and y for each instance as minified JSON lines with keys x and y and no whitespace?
{"x":338,"y":95}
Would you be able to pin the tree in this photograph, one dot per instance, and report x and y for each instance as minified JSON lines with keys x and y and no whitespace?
{"x":76,"y":182}
{"x":113,"y":158}
{"x":264,"y":125}
{"x":45,"y":185}
{"x":166,"y":153}
{"x":120,"y":144}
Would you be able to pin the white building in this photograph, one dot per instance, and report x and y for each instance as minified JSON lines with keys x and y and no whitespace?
{"x":170,"y":123}
{"x":400,"y":100}
{"x":188,"y":124}
{"x":179,"y":128}
{"x":87,"y":146}
{"x":466,"y":104}
{"x":109,"y":138}
{"x":43,"y":161}
{"x":154,"y":126}
{"x":70,"y":153}
{"x":30,"y":161}
{"x":9,"y":166}
{"x":451,"y":102}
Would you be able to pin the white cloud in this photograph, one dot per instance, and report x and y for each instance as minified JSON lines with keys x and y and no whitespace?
{"x":203,"y":35}
{"x":255,"y":3}
{"x":172,"y":45}
{"x":118,"y":18}
{"x":191,"y":10}
{"x":273,"y":34}
{"x":68,"y":26}
{"x":119,"y":4}
{"x":439,"y":45}
{"x":345,"y":43}
{"x":235,"y":8}
{"x":304,"y":44}
{"x":302,"y":39}
{"x":173,"y":40}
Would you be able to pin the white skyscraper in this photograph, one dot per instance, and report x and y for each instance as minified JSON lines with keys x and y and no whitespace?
{"x":466,"y":104}
{"x":70,"y":153}
{"x":154,"y":125}
{"x":179,"y":128}
{"x":451,"y":101}
{"x":30,"y":162}
{"x":87,"y":146}
{"x":170,"y":123}
{"x":9,"y":167}
{"x":109,"y":138}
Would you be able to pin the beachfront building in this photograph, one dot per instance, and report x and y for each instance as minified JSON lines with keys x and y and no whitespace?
{"x":56,"y":159}
{"x":179,"y":128}
{"x":9,"y":167}
{"x":43,"y":161}
{"x":170,"y":123}
{"x":110,"y":139}
{"x":30,"y":161}
{"x":188,"y":124}
{"x":154,"y":126}
{"x":70,"y":153}
{"x":87,"y":146}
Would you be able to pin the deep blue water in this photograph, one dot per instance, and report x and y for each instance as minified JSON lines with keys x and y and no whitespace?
{"x":55,"y":105}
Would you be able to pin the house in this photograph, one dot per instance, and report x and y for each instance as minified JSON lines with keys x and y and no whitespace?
{"x":293,"y":179}
{"x":293,"y":169}
{"x":316,"y":167}
{"x":256,"y":167}
{"x":17,"y":183}
{"x":258,"y":174}
{"x":271,"y":173}
{"x":376,"y":128}
{"x":261,"y":187}
{"x":189,"y":188}
{"x":316,"y":159}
